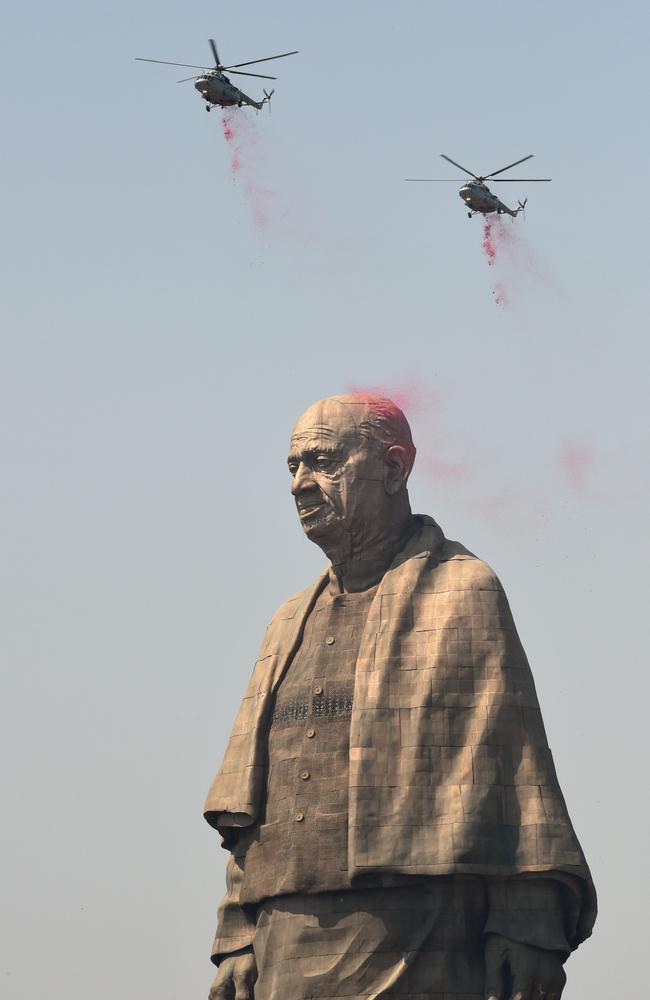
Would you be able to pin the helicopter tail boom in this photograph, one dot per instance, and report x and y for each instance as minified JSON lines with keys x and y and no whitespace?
{"x":258,"y":105}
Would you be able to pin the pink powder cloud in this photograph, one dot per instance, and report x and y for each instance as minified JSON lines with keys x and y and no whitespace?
{"x":576,"y":464}
{"x":412,"y":397}
{"x":443,"y":471}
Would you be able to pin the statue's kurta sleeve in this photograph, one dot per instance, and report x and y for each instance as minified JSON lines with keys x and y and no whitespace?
{"x":535,"y":909}
{"x":235,"y":924}
{"x":239,"y":786}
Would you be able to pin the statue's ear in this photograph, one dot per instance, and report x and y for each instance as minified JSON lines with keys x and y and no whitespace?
{"x":396,"y":469}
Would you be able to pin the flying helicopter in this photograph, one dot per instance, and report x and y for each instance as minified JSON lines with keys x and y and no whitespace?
{"x":214,"y":86}
{"x":477,"y":195}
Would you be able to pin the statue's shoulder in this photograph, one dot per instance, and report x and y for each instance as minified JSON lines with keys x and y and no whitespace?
{"x":456,"y":585}
{"x":286,"y":622}
{"x":459,"y":569}
{"x":292,"y":606}
{"x":449,"y":565}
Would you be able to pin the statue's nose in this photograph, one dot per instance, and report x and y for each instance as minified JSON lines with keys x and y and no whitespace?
{"x":303,"y":479}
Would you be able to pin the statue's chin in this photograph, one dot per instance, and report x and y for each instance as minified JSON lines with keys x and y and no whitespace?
{"x":317,"y":530}
{"x":319,"y":527}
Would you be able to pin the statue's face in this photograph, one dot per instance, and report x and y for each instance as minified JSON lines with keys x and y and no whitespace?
{"x":337,"y":474}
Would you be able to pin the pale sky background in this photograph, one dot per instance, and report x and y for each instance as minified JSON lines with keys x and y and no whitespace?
{"x":157,"y":345}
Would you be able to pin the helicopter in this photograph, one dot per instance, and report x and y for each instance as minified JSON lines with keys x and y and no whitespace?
{"x":477,"y":195}
{"x":214,"y":86}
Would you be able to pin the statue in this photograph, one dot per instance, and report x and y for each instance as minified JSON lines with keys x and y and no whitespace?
{"x":388,"y":797}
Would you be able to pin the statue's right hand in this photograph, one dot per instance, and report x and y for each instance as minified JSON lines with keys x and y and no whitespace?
{"x":235,"y":978}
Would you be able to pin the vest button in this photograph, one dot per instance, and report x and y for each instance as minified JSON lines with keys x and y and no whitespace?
{"x":318,"y":689}
{"x":311,"y":733}
{"x":305,"y":775}
{"x":299,"y":817}
{"x":330,"y":640}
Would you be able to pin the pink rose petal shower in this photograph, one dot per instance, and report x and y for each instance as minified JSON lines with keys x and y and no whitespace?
{"x":247,"y":164}
{"x":507,"y":251}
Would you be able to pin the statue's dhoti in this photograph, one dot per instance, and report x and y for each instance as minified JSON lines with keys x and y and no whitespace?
{"x":423,"y":942}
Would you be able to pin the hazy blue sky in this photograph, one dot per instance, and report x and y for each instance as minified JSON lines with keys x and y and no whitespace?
{"x":158,"y":344}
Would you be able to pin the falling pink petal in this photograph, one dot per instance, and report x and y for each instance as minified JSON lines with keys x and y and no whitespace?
{"x":489,"y":242}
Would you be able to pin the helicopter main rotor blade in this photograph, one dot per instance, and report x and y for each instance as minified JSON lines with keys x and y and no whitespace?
{"x":238,"y":72}
{"x":267,"y":59}
{"x":164,"y":62}
{"x":523,"y":159}
{"x":213,"y":46}
{"x":464,"y":169}
{"x":520,"y":180}
{"x":437,"y":180}
{"x":185,"y":79}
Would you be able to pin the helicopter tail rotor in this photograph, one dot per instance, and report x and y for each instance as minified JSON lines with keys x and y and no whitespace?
{"x":267,"y":98}
{"x":521,"y":207}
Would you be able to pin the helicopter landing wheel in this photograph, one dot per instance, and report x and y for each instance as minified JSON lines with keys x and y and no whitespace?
{"x":207,"y":107}
{"x":469,"y":215}
{"x":239,"y":103}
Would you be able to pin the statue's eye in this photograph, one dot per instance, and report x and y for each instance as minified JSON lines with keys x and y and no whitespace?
{"x":324,"y":463}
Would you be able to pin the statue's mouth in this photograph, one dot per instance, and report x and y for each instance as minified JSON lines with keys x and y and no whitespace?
{"x":312,"y":511}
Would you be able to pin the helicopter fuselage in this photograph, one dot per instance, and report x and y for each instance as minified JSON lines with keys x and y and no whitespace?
{"x":216,"y":88}
{"x":478,"y":198}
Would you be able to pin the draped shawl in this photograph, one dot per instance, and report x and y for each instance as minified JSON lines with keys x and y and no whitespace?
{"x":450,"y":770}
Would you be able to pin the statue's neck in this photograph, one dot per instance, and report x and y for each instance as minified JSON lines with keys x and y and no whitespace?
{"x":363,"y":564}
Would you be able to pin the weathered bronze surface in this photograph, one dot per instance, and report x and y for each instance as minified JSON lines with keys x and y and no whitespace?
{"x":387,"y":795}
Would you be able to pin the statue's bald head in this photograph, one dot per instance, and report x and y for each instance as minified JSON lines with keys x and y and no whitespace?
{"x":380,"y":421}
{"x":350,"y":459}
